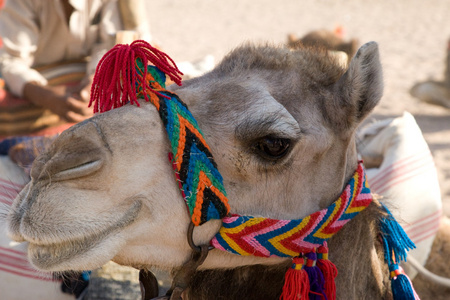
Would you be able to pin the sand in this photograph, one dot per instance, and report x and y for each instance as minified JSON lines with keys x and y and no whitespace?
{"x":412,"y":36}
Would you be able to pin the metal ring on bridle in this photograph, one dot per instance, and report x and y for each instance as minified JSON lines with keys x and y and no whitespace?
{"x":190,"y":239}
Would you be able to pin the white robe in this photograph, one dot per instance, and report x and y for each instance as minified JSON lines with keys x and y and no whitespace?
{"x":35,"y":33}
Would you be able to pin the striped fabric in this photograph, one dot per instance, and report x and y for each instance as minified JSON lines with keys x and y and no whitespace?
{"x":8,"y":191}
{"x":13,"y":259}
{"x":406,"y":177}
{"x":400,"y":173}
{"x":16,"y":262}
{"x":402,"y":170}
{"x":266,"y":237}
{"x":424,"y":228}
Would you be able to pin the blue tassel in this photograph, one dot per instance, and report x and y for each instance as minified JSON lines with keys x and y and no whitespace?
{"x":395,"y":240}
{"x":401,"y":285}
{"x":396,"y":243}
{"x":86,"y":275}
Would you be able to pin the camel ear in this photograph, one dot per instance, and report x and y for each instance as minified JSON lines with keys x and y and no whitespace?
{"x":360,"y":88}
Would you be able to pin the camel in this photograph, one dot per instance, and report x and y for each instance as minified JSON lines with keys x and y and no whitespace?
{"x":281,"y":126}
{"x":330,"y":40}
{"x":432,"y":91}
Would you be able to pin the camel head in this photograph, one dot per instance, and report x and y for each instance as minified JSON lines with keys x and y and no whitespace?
{"x":279,"y":123}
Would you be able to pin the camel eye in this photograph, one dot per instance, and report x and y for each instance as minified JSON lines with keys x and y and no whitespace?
{"x":272,"y":148}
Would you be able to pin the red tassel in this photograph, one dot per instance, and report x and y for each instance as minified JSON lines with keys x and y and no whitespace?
{"x":329,"y":271}
{"x":116,"y":77}
{"x":296,"y":282}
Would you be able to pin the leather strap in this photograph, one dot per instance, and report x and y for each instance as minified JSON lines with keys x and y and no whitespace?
{"x":149,"y":284}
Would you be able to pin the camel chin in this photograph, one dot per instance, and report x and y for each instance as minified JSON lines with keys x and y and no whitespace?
{"x":82,"y":253}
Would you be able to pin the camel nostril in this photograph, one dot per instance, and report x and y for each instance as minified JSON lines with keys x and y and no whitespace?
{"x":78,"y":171}
{"x":85,"y":156}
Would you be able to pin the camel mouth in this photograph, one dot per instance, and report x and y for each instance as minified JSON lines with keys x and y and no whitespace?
{"x":72,"y":252}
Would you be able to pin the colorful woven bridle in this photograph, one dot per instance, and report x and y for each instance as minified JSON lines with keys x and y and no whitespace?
{"x":124,"y":74}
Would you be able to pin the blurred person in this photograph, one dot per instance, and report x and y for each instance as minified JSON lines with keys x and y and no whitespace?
{"x":50,"y":52}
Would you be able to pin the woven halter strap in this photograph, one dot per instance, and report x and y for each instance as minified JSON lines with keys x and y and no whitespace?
{"x":246,"y":235}
{"x":124,"y":74}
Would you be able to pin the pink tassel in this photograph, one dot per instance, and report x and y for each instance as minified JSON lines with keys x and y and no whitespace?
{"x":296,"y":282}
{"x":116,"y":77}
{"x":329,"y":271}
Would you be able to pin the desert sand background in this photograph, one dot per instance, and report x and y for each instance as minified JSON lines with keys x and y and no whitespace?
{"x":412,"y":36}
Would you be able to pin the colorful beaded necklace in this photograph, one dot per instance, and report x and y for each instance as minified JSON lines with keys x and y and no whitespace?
{"x":123,"y":75}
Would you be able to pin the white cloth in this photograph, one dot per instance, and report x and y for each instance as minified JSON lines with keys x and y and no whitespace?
{"x":35,"y":33}
{"x":406,"y":178}
{"x":18,"y":279}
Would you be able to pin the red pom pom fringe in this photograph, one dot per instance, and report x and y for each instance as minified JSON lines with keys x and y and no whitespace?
{"x":329,"y":271}
{"x":296,"y":283}
{"x":116,"y":77}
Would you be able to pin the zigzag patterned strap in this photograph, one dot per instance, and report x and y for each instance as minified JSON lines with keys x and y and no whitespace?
{"x":200,"y":182}
{"x":121,"y":77}
{"x":246,"y":235}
